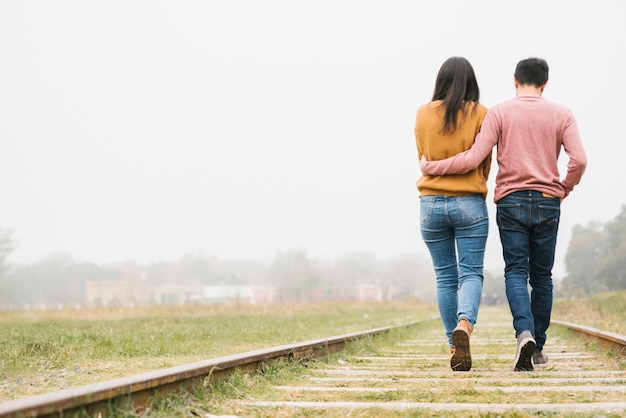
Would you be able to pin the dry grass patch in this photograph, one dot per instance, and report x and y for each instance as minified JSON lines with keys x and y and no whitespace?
{"x":43,"y":351}
{"x":605,"y":311}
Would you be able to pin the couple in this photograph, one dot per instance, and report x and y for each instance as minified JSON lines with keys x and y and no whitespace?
{"x":455,"y":136}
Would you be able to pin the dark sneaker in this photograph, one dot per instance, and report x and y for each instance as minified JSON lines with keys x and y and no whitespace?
{"x":525,"y":349}
{"x":539,"y":358}
{"x":461,"y":360}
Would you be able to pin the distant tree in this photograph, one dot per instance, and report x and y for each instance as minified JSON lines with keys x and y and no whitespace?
{"x":199,"y":268}
{"x":7,"y":245}
{"x":55,"y":281}
{"x":336,"y":273}
{"x":411,"y":275}
{"x":244,"y":271}
{"x":583,"y":252}
{"x":158,"y":272}
{"x":611,"y":265}
{"x":293,"y":273}
{"x":7,"y":285}
{"x":596,"y":257}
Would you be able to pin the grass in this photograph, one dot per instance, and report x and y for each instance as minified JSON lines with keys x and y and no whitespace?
{"x":46,"y":351}
{"x":225,"y":396}
{"x":605,"y":311}
{"x":220,"y":397}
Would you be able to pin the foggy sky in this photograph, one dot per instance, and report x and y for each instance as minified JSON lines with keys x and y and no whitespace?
{"x":149,"y":129}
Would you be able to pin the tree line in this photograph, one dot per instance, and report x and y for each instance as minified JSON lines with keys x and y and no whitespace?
{"x":595,"y":260}
{"x":59,"y":281}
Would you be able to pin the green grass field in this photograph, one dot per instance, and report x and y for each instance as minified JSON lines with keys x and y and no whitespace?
{"x":605,"y":311}
{"x":44,"y":351}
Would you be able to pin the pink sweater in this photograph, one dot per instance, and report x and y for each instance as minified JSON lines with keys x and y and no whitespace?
{"x":529,"y":132}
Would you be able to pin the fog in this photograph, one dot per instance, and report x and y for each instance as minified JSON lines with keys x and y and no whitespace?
{"x":147,"y":130}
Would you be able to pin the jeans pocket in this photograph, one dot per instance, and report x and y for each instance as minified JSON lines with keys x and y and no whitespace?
{"x":472,"y":208}
{"x":508,"y":215}
{"x":426,"y":208}
{"x":549,"y":216}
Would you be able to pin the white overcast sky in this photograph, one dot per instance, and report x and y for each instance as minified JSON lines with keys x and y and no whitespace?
{"x":145,"y":130}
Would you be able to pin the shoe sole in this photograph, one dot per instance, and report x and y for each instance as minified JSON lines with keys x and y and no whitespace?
{"x":523,"y":361}
{"x":461,"y":360}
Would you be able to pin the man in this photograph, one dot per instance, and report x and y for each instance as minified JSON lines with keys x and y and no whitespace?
{"x":529,"y":132}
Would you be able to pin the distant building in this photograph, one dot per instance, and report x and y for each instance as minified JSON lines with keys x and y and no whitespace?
{"x":364,"y":293}
{"x":256,"y":295}
{"x":174,"y":294}
{"x":130,"y":292}
{"x":136,"y":292}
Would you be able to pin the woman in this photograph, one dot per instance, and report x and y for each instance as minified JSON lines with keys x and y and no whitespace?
{"x":453,"y":213}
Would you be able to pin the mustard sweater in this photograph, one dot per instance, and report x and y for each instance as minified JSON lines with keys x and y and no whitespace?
{"x":434,"y":145}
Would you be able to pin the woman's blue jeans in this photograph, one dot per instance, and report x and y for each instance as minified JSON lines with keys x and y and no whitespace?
{"x":528,"y":223}
{"x":455,"y":230}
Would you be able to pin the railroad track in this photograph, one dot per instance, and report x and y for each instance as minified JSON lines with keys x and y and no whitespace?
{"x":409,"y":374}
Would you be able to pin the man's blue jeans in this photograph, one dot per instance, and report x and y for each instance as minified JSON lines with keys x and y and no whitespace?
{"x":528,"y":223}
{"x":451,"y":225}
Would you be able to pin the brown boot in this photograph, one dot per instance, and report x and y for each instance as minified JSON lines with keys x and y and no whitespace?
{"x":461,"y":360}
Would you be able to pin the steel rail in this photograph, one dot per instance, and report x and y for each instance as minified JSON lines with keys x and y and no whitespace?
{"x":94,"y":399}
{"x":607,"y":339}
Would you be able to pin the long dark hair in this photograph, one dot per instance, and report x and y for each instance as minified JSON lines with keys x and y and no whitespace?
{"x":456,"y":83}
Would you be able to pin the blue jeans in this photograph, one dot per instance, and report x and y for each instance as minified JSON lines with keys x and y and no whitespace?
{"x":528,"y":223}
{"x":451,"y":225}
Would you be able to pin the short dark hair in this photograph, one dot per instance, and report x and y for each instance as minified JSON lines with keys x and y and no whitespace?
{"x":532,"y":71}
{"x":456,"y":83}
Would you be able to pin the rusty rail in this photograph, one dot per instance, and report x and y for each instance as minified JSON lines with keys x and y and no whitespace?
{"x":95,"y":398}
{"x":608,"y":339}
